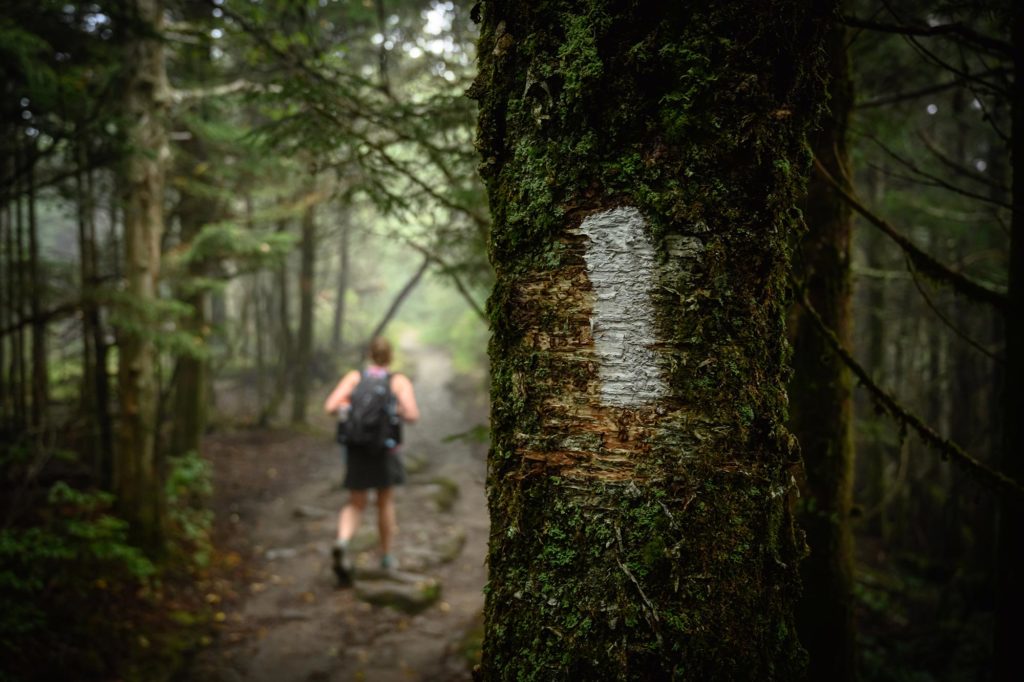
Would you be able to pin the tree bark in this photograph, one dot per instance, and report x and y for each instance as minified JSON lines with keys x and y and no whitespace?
{"x":820,"y":393}
{"x":138,"y":480}
{"x":642,"y":165}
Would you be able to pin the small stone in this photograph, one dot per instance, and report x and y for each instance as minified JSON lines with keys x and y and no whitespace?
{"x":410,"y":598}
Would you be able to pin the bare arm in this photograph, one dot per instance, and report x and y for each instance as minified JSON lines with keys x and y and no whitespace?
{"x":402,"y":388}
{"x":342,"y":392}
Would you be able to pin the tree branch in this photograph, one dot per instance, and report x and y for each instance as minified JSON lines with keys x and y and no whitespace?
{"x":936,"y":181}
{"x":400,"y":298}
{"x":996,"y":480}
{"x":450,"y":272}
{"x":239,"y":85}
{"x":924,"y":262}
{"x":957,"y":30}
{"x":928,"y":90}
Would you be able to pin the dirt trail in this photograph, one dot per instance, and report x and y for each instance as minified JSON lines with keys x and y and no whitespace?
{"x":278,"y":497}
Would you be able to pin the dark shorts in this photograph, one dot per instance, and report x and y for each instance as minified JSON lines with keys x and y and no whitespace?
{"x":367,"y":469}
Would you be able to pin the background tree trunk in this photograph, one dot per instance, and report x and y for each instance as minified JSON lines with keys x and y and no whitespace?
{"x":37,"y":285}
{"x":642,"y":166}
{"x":1009,"y":588}
{"x":304,"y":346}
{"x":138,"y":481}
{"x":820,"y":390}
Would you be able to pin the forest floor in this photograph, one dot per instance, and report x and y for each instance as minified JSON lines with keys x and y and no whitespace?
{"x":281,"y":617}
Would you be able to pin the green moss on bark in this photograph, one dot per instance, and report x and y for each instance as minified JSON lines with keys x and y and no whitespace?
{"x":651,"y":542}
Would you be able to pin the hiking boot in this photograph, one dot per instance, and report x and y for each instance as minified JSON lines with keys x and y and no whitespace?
{"x":342,"y":570}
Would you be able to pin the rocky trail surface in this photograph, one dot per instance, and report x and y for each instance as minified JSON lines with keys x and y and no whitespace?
{"x":282,"y":619}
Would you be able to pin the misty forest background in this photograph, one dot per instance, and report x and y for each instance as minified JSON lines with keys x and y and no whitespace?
{"x":312,"y":173}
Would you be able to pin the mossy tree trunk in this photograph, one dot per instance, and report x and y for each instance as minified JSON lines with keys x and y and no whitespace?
{"x":821,"y":414}
{"x":138,"y":481}
{"x":643,"y":164}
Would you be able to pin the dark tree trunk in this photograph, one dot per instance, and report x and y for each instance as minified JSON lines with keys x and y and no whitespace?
{"x":5,"y":301}
{"x":820,"y":396}
{"x":37,"y":288}
{"x":18,"y":299}
{"x":1010,"y":568}
{"x":89,"y":399}
{"x":642,"y":164}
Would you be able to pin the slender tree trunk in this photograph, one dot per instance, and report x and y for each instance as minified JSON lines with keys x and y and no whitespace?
{"x":138,"y":480}
{"x":870,"y":452}
{"x":820,"y":397}
{"x":642,"y":164}
{"x":5,"y":298}
{"x":18,"y":298}
{"x":304,"y":347}
{"x":5,"y":301}
{"x":95,"y":382}
{"x":196,"y":210}
{"x":259,"y":331}
{"x":37,"y":280}
{"x":285,"y":363}
{"x":1010,"y":568}
{"x":99,"y":344}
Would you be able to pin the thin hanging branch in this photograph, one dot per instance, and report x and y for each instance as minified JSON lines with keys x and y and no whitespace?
{"x":924,"y":262}
{"x":450,"y":272}
{"x":946,"y":321}
{"x":400,"y":298}
{"x":898,"y":97}
{"x":959,"y":32}
{"x":996,"y":480}
{"x":936,"y":181}
{"x":959,"y":168}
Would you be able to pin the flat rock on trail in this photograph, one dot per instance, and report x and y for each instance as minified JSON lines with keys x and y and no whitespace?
{"x":277,"y":500}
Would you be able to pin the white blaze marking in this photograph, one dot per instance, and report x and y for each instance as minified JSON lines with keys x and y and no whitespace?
{"x":622,"y":268}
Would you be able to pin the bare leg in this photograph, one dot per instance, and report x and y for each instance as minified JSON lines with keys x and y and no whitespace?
{"x":386,"y":518}
{"x":351,"y":513}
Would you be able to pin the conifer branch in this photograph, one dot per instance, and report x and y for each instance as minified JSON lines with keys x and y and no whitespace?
{"x":996,"y":480}
{"x":923,"y":262}
{"x":956,"y":30}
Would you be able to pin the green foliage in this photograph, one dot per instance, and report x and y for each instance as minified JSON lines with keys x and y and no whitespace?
{"x":247,"y":249}
{"x":61,"y":577}
{"x":189,"y":488}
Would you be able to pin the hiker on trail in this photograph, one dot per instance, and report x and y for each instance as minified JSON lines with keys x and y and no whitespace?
{"x":371,"y":405}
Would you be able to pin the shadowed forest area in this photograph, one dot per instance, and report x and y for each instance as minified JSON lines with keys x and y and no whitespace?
{"x":714,"y":311}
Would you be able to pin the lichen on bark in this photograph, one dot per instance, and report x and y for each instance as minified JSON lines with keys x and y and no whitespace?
{"x":651,"y":539}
